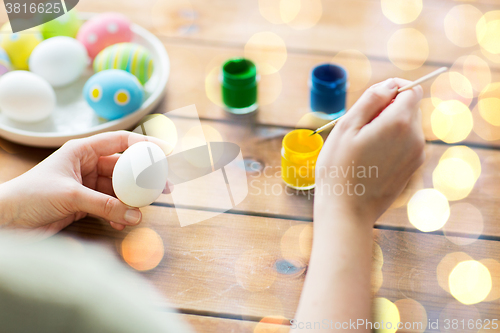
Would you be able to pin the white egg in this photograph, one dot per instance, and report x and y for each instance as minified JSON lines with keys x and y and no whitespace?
{"x":60,"y":60}
{"x":140,"y":175}
{"x":26,"y":97}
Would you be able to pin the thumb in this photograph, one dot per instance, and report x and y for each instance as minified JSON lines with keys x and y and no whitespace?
{"x":373,"y":101}
{"x":107,"y":207}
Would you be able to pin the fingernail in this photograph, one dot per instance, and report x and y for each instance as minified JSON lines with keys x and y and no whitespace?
{"x":390,"y":84}
{"x":133,"y":216}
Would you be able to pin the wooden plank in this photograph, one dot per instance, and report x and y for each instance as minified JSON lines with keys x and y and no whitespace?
{"x":206,"y":324}
{"x":269,"y":196}
{"x":250,"y":267}
{"x":342,"y":24}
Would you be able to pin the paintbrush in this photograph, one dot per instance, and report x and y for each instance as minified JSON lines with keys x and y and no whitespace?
{"x":407,"y":87}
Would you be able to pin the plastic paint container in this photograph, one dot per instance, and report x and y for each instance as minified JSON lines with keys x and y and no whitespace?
{"x":328,"y":90}
{"x":239,"y":86}
{"x":298,"y":158}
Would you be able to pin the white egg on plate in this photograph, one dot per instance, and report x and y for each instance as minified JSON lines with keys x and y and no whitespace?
{"x":26,"y":97}
{"x":60,"y":60}
{"x":140,"y":175}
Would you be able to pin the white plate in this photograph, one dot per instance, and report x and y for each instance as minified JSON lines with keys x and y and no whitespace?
{"x":73,"y":118}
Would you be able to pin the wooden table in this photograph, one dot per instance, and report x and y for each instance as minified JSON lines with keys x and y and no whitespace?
{"x":247,"y":265}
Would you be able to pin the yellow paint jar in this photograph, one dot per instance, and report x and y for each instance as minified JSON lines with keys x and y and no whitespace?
{"x":298,"y":158}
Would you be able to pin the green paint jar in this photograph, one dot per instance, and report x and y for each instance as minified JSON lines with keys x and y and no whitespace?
{"x":239,"y":86}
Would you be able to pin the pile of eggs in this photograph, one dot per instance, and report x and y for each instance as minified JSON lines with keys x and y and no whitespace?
{"x":56,"y":54}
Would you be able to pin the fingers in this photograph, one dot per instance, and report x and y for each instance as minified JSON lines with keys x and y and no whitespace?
{"x":106,"y":207}
{"x":110,"y":143}
{"x":371,"y":103}
{"x":169,"y":188}
{"x":405,"y":105}
{"x":105,"y":185}
{"x":117,"y":226}
{"x":106,"y":165}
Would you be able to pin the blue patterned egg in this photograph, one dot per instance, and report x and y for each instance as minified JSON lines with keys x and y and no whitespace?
{"x":5,"y":65}
{"x":113,"y":93}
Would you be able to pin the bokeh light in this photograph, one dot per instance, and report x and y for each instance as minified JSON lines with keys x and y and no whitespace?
{"x":401,"y":12}
{"x":158,"y":126}
{"x":267,"y":50}
{"x":415,"y":183}
{"x":296,"y":243}
{"x":142,"y":249}
{"x":475,"y":69}
{"x":211,"y":134}
{"x":413,"y":315}
{"x":494,"y":269}
{"x":488,"y":31}
{"x":289,"y":9}
{"x":446,"y":265}
{"x":451,"y":121}
{"x":470,"y":282}
{"x":460,"y":23}
{"x":255,"y":270}
{"x":377,"y":277}
{"x":489,"y":104}
{"x":301,"y":14}
{"x":358,"y":67}
{"x":377,"y":280}
{"x":427,"y":107}
{"x":213,"y":88}
{"x":466,"y":154}
{"x":451,"y":86}
{"x":454,"y":178}
{"x":428,"y":210}
{"x":386,"y":312}
{"x":270,"y":10}
{"x":483,"y":128}
{"x":408,"y":49}
{"x":312,"y":120}
{"x":464,"y":218}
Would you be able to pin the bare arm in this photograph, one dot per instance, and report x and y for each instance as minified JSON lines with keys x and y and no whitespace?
{"x":375,"y":136}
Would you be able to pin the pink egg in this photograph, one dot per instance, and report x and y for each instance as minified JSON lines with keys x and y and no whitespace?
{"x":104,"y":30}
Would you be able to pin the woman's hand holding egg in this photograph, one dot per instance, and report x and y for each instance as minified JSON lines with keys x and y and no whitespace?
{"x":71,"y":183}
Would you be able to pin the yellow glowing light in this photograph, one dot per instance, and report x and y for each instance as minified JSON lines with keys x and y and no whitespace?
{"x":415,"y":183}
{"x":488,"y":31}
{"x":458,"y":23}
{"x":470,"y":282}
{"x":289,"y":9}
{"x":427,"y":107}
{"x":428,"y":210}
{"x":212,"y":87}
{"x":385,"y":311}
{"x":465,"y":219}
{"x":489,"y":104}
{"x":158,"y":126}
{"x":408,"y":49}
{"x":401,"y":12}
{"x":255,"y":270}
{"x":270,"y":87}
{"x":494,"y":268}
{"x":451,"y":121}
{"x":451,"y":86}
{"x":475,"y":69}
{"x":296,"y":243}
{"x":312,"y":120}
{"x":211,"y":134}
{"x":357,"y":65}
{"x":467,"y":154}
{"x":454,"y":178}
{"x":142,"y":249}
{"x":267,"y":50}
{"x":413,"y":315}
{"x":270,"y":10}
{"x":452,"y":309}
{"x":446,"y":265}
{"x":308,"y":15}
{"x":484,"y":129}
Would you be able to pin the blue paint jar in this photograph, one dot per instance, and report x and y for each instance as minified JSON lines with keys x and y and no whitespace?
{"x":328,"y":90}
